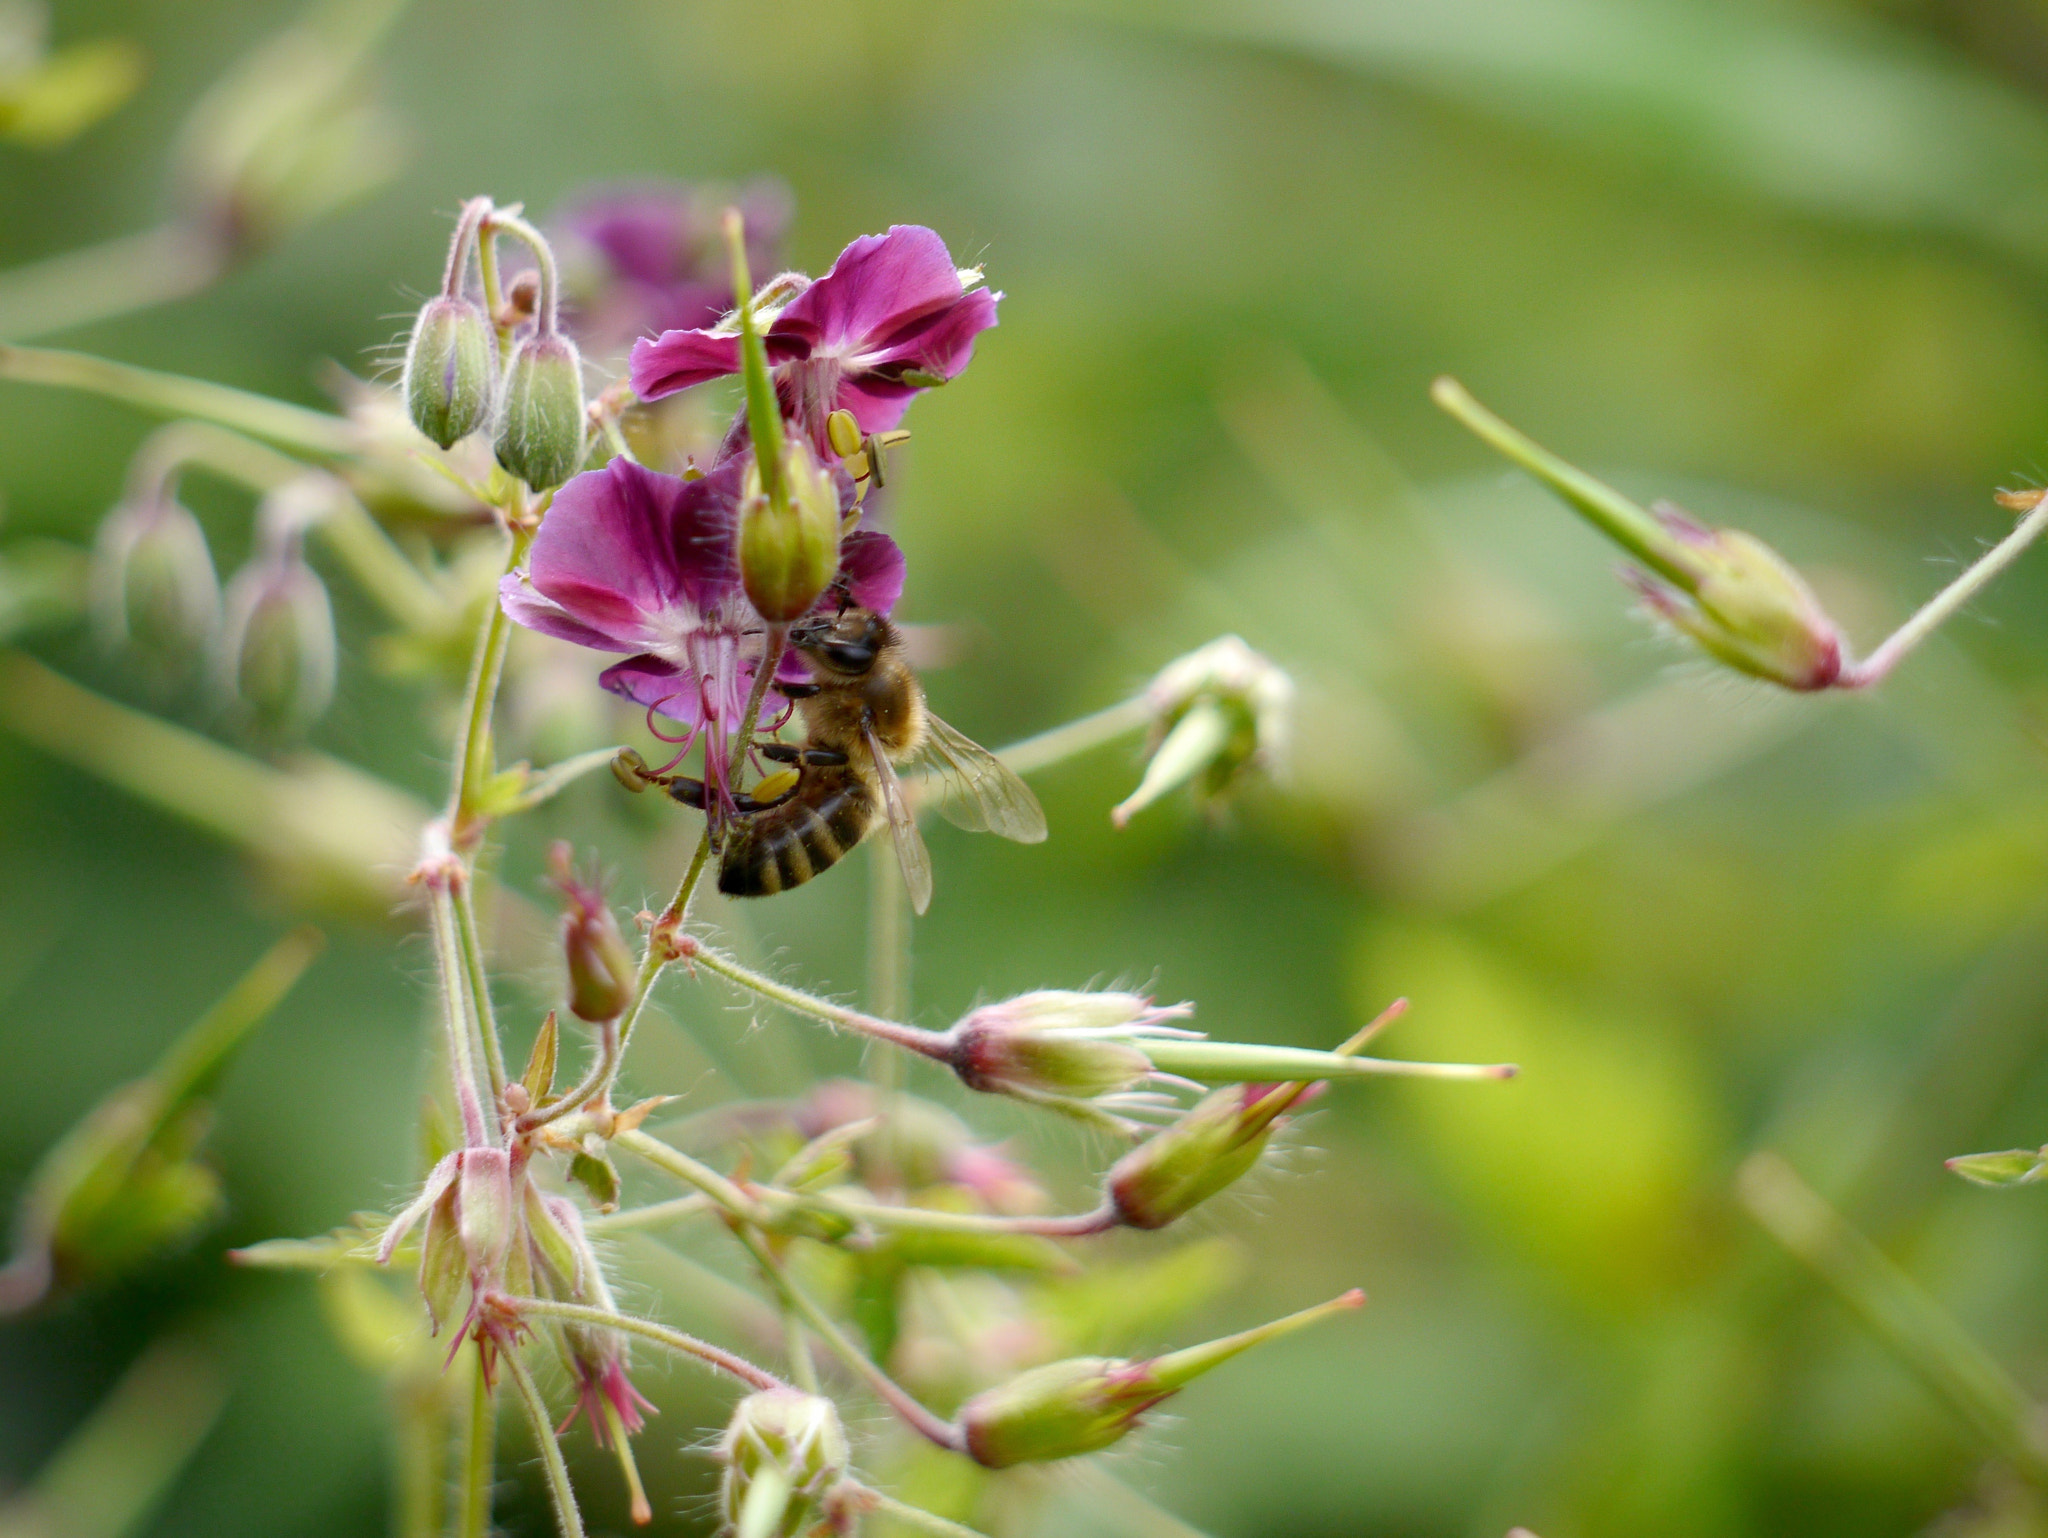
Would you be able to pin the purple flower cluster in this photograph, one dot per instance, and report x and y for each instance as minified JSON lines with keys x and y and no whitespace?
{"x":634,"y":561}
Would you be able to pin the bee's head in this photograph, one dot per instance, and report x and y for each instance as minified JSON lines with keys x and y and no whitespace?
{"x":845,"y":644}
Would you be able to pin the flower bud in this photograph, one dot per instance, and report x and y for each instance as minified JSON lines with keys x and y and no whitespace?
{"x":450,"y":369}
{"x":467,"y":1204}
{"x":1218,"y":1140}
{"x":2013,"y":1167}
{"x":1082,"y":1405}
{"x":153,"y":590}
{"x":1057,"y":1042}
{"x":1729,"y":591}
{"x":540,"y":425}
{"x":784,"y":1452}
{"x":278,"y":652}
{"x":789,"y":553}
{"x":602,"y":972}
{"x":1216,"y":713}
{"x":1745,"y":606}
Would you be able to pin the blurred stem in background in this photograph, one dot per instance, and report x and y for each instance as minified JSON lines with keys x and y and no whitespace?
{"x":286,"y":136}
{"x":1911,"y":1324}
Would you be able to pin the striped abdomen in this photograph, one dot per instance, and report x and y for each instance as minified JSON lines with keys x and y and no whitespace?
{"x":829,"y":812}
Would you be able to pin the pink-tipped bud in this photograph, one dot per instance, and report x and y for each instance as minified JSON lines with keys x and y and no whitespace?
{"x":1065,"y":1409}
{"x":1057,"y":1042}
{"x":602,"y":973}
{"x":540,"y":425}
{"x":451,"y":369}
{"x":789,"y":548}
{"x":1744,"y":605}
{"x":784,"y":1453}
{"x":1217,"y":1141}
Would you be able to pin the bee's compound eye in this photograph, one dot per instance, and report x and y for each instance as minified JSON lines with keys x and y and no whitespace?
{"x":849,"y":656}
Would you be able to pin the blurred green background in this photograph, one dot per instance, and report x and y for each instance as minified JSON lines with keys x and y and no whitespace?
{"x":1786,"y":263}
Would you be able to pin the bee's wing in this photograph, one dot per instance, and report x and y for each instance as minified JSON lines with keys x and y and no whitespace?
{"x":974,"y":789}
{"x":910,"y":851}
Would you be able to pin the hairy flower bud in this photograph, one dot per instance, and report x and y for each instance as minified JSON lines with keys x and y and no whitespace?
{"x":602,"y":972}
{"x":467,"y":1204}
{"x":540,"y":424}
{"x":153,"y":591}
{"x":789,"y":553}
{"x":1217,"y":712}
{"x":1219,"y":1139}
{"x":1058,"y":1042}
{"x":783,"y":1452}
{"x":451,"y":368}
{"x":277,"y":655}
{"x":1744,"y":606}
{"x":1065,"y":1409}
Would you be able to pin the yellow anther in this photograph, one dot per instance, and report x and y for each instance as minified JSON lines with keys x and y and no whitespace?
{"x":844,"y":433}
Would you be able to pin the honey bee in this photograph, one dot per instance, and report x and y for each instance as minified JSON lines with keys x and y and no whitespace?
{"x":864,"y":713}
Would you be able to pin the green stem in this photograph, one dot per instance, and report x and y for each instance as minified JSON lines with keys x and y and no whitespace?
{"x":692,"y":1173}
{"x":318,"y":433}
{"x":115,"y":277}
{"x":477,"y":1132}
{"x":550,"y":283}
{"x":1620,"y":519}
{"x":1944,"y":604}
{"x":1923,"y":1334}
{"x":911,"y":1038}
{"x":915,"y":1516}
{"x":567,"y":1517}
{"x":675,"y":1340}
{"x":478,"y":977}
{"x":473,"y":1498}
{"x":802,"y":1370}
{"x":653,"y":1215}
{"x":1077,"y":737}
{"x":941,"y":1432}
{"x":473,"y":747}
{"x":1231,"y":1062}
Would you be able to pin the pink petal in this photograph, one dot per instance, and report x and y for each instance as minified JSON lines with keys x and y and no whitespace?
{"x":879,"y":284}
{"x":675,"y":360}
{"x":872,"y":564}
{"x":659,"y":685}
{"x":940,"y":343}
{"x":523,"y":606}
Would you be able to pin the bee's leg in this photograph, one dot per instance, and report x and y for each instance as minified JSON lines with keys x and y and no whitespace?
{"x":780,"y":752}
{"x":795,"y":691}
{"x":686,"y":790}
{"x":823,"y":758}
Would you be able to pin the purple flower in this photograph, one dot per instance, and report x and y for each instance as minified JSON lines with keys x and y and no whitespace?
{"x":892,"y":316}
{"x":631,"y":560}
{"x":644,"y":257}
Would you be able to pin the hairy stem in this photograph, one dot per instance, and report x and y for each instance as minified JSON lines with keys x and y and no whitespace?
{"x":1944,"y":604}
{"x":675,"y":1340}
{"x":487,"y":665}
{"x":567,"y":1517}
{"x":692,"y":1173}
{"x":479,"y":979}
{"x":943,"y":1433}
{"x":477,"y":1132}
{"x":911,"y":1038}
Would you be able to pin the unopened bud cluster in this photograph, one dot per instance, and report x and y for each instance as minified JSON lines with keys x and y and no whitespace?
{"x":454,"y":385}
